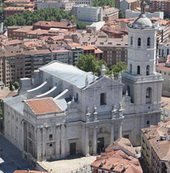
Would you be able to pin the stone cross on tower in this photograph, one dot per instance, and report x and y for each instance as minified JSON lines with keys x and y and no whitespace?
{"x":142,"y":6}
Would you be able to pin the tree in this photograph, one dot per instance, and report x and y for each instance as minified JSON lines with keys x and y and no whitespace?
{"x":102,"y":3}
{"x":120,"y":66}
{"x":16,"y":85}
{"x":89,"y":63}
{"x":81,"y":25}
{"x":30,"y":17}
{"x":121,"y":14}
{"x":11,"y":87}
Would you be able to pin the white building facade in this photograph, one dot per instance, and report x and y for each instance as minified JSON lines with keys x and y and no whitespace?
{"x":164,"y":50}
{"x":131,"y":14}
{"x":87,"y":14}
{"x":64,"y":4}
{"x":142,"y":83}
{"x":65,"y":111}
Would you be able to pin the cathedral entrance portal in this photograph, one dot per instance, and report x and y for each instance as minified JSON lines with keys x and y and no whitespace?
{"x":100,"y":145}
{"x":72,"y":148}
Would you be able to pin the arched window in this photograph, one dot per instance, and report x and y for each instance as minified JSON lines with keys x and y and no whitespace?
{"x":130,"y":68}
{"x":138,"y":69}
{"x":131,"y":40}
{"x":148,"y":42}
{"x":148,"y":95}
{"x":147,"y":70}
{"x":103,"y":99}
{"x":139,"y":42}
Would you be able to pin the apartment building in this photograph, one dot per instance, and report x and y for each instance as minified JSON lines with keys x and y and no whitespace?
{"x":62,"y":25}
{"x":66,"y":4}
{"x":26,"y":32}
{"x":127,"y":4}
{"x":164,"y":50}
{"x":88,"y":2}
{"x":164,"y":69}
{"x":39,"y":29}
{"x":9,"y":11}
{"x":132,"y":14}
{"x":18,"y":32}
{"x":17,"y":2}
{"x":155,"y":142}
{"x":35,"y":53}
{"x":160,"y":5}
{"x":163,"y":32}
{"x":118,"y":157}
{"x":110,"y":13}
{"x":16,"y":63}
{"x":12,"y":64}
{"x":114,"y":49}
{"x":63,"y":55}
{"x":87,"y":14}
{"x":35,"y":59}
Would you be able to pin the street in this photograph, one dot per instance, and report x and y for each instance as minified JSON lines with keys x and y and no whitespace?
{"x":10,"y":157}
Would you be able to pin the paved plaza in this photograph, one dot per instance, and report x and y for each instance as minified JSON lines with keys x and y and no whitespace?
{"x":72,"y":165}
{"x":10,"y":157}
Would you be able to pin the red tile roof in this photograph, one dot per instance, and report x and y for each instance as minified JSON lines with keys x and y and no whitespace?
{"x":159,"y":138}
{"x":28,"y":171}
{"x":53,"y":24}
{"x":58,"y":51}
{"x":43,"y":105}
{"x":162,"y":67}
{"x":14,"y":8}
{"x":88,"y":47}
{"x":115,"y":159}
{"x":97,"y":50}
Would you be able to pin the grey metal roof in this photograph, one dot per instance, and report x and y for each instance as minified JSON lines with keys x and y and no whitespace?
{"x":69,"y":73}
{"x":16,"y":102}
{"x":61,"y":103}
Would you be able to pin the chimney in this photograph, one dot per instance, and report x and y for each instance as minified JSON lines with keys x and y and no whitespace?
{"x":103,"y":70}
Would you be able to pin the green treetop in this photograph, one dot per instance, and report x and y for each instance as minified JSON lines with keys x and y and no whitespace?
{"x":90,"y":63}
{"x":102,"y":3}
{"x":30,"y":17}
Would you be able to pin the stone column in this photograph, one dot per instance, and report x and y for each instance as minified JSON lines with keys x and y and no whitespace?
{"x":112,"y":134}
{"x":94,"y":141}
{"x":120,"y":129}
{"x":34,"y":141}
{"x":38,"y":143}
{"x":87,"y":142}
{"x":44,"y":143}
{"x":63,"y":143}
{"x":22,"y":135}
{"x":57,"y":139}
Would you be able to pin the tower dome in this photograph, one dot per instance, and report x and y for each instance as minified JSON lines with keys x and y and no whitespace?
{"x":141,"y":22}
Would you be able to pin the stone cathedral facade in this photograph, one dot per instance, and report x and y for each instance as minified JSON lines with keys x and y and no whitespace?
{"x":65,"y":111}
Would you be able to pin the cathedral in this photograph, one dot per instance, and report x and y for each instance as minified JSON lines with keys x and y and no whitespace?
{"x":65,"y":111}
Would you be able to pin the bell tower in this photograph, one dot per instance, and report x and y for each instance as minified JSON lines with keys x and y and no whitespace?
{"x":143,"y":84}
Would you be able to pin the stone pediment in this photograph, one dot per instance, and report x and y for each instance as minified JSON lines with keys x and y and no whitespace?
{"x":102,"y":82}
